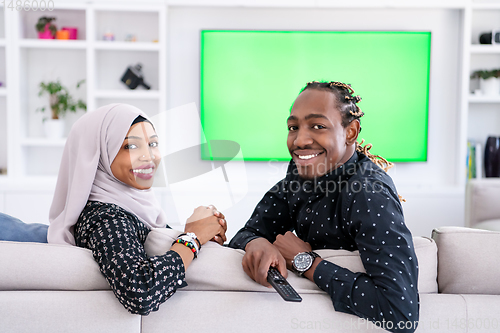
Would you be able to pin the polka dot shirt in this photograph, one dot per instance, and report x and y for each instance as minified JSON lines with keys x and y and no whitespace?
{"x":354,"y":207}
{"x":116,"y":239}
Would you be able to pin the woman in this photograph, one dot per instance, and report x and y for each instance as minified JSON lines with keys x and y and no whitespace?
{"x":103,"y":202}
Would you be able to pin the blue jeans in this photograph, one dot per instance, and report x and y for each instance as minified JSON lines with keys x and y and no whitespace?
{"x":12,"y":229}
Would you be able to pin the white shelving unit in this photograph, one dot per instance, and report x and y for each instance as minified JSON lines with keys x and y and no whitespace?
{"x":482,"y":112}
{"x":101,"y":63}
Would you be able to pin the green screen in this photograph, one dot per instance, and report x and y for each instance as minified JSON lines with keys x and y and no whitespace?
{"x":250,"y":79}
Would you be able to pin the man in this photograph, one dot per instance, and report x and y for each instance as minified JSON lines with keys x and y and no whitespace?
{"x":335,"y":197}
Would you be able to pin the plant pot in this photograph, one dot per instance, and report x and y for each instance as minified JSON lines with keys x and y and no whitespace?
{"x":53,"y":128}
{"x":62,"y":34}
{"x":47,"y":34}
{"x":490,"y":86}
{"x":73,"y":32}
{"x":492,"y":157}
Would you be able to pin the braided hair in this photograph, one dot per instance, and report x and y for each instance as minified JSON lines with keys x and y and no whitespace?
{"x":350,"y":111}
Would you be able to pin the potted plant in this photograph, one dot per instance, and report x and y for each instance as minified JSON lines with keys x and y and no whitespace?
{"x":489,"y":81}
{"x":60,"y":102}
{"x":45,"y":28}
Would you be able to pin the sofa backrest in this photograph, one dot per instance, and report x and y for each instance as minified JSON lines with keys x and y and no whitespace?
{"x":468,"y":260}
{"x":36,"y":266}
{"x":219,"y":268}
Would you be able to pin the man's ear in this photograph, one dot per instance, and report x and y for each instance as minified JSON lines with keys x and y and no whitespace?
{"x":352,"y":132}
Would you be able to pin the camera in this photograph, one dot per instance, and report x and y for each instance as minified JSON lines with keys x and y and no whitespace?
{"x":490,"y":37}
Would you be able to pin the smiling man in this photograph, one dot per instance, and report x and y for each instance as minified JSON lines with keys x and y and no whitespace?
{"x":335,"y":197}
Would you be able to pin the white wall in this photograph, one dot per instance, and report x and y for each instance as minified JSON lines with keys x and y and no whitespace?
{"x":433,"y":197}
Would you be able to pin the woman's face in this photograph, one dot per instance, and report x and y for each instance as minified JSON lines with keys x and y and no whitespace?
{"x":138,"y":157}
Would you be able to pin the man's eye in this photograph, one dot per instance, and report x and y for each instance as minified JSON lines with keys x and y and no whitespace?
{"x":318,"y":127}
{"x":292,"y":128}
{"x":130,"y":146}
{"x":153,"y":144}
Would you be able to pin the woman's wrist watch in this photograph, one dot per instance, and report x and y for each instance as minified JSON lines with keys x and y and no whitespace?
{"x":303,"y":261}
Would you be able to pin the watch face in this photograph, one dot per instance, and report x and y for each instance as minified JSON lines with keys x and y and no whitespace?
{"x":302,"y":261}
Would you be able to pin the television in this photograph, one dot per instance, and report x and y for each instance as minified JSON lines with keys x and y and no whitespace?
{"x":250,"y":79}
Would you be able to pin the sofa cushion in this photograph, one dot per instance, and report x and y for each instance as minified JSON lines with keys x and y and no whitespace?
{"x":468,"y":260}
{"x":38,"y":266}
{"x":219,"y":267}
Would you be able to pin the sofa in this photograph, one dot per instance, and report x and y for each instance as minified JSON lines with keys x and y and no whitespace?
{"x":57,"y":288}
{"x":482,"y":210}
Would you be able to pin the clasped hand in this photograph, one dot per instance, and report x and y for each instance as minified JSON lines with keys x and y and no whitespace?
{"x":260,"y":254}
{"x":208,"y":224}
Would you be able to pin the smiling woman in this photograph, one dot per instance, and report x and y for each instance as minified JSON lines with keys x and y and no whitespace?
{"x":139,"y":156}
{"x":103,"y":201}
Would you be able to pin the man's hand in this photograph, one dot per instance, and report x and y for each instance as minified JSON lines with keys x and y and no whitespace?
{"x":259,"y":256}
{"x":289,"y":245}
{"x":222,"y":221}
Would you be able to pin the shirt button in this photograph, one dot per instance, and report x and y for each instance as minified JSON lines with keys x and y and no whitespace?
{"x":308,"y":210}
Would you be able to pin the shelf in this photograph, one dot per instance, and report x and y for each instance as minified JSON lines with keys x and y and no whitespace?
{"x":127,"y":46}
{"x":53,"y":44}
{"x":485,"y":48}
{"x":484,"y":99}
{"x":132,"y":94}
{"x":43,"y":142}
{"x":486,"y":6}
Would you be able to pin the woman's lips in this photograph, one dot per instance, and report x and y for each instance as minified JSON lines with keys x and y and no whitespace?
{"x":144,"y":172}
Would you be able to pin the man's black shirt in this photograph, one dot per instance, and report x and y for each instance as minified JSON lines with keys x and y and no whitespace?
{"x":354,"y":207}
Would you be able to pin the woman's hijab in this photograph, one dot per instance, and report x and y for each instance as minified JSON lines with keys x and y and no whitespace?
{"x":85,"y":173}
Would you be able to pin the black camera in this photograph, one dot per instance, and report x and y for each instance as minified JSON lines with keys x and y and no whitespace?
{"x":490,"y":37}
{"x":133,"y":77}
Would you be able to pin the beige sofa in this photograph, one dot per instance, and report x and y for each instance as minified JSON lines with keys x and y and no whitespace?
{"x":54,"y":288}
{"x":482,"y":206}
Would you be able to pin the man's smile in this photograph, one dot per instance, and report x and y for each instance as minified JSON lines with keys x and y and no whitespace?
{"x":306,"y":156}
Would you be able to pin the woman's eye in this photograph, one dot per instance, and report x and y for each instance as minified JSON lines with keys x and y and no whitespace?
{"x":153,"y":144}
{"x":318,"y":127}
{"x":130,"y":146}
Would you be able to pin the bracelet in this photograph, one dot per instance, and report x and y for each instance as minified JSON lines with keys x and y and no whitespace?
{"x":191,"y":237}
{"x":188,"y":244}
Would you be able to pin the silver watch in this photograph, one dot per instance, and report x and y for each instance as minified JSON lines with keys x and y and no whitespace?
{"x":303,"y":261}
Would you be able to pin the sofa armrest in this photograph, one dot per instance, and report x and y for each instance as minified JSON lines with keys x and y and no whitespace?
{"x":468,"y":260}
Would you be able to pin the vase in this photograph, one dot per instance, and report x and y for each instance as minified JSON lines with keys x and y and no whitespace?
{"x":46,"y":34}
{"x":492,"y":157}
{"x":490,"y":86}
{"x":53,"y":128}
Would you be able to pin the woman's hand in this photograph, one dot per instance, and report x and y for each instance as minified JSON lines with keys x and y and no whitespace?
{"x":206,"y":211}
{"x":201,"y":212}
{"x":206,"y":229}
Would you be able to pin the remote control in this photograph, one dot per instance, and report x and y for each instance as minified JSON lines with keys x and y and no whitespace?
{"x":282,"y":286}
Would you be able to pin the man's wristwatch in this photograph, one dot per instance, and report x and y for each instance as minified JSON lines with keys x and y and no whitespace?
{"x":303,"y":261}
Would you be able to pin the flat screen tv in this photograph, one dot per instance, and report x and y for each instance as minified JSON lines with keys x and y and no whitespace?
{"x":249,"y":80}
